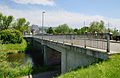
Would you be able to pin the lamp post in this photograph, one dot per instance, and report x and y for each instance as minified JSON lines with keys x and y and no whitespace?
{"x":84,"y":36}
{"x":42,"y":22}
{"x":108,"y":39}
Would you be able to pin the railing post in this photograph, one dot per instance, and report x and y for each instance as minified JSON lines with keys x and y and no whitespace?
{"x":72,"y":39}
{"x":108,"y":42}
{"x":84,"y":40}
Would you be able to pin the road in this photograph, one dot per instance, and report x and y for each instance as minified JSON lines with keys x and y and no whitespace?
{"x":115,"y":47}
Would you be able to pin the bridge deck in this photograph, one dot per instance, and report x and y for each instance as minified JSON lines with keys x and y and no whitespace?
{"x":88,"y":42}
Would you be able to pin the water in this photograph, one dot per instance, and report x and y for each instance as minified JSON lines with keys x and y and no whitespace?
{"x":34,"y":58}
{"x":20,"y":58}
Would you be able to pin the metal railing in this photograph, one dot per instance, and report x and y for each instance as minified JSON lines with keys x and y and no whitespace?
{"x":96,"y":40}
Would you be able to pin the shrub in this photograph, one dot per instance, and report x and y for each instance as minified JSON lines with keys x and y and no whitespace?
{"x":10,"y":36}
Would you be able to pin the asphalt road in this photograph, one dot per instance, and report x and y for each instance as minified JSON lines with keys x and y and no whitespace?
{"x":115,"y":47}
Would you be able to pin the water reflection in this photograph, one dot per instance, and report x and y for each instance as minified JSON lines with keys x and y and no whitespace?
{"x":19,"y":59}
{"x":34,"y":58}
{"x":16,"y":57}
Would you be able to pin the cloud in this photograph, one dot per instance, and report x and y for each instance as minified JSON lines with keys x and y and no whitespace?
{"x":42,"y":2}
{"x":55,"y":18}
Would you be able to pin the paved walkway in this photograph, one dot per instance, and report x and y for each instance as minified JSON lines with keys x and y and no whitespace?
{"x":50,"y":74}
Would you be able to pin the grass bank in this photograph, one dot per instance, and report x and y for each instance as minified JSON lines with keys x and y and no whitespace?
{"x":13,"y":69}
{"x":105,"y":69}
{"x":13,"y":47}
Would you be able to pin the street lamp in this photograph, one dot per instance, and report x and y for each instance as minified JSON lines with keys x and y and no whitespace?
{"x":42,"y":22}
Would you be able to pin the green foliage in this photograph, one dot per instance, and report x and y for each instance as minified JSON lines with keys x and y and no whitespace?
{"x":71,"y":31}
{"x":97,"y":27}
{"x":5,"y":21}
{"x":62,"y":29}
{"x":13,"y":69}
{"x":115,"y":32}
{"x":105,"y":69}
{"x":22,"y":25}
{"x":14,"y":47}
{"x":50,"y":30}
{"x":10,"y":36}
{"x":83,"y":30}
{"x":76,"y":31}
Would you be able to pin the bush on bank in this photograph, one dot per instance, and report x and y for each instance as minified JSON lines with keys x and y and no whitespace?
{"x":10,"y":36}
{"x":14,"y":47}
{"x":12,"y":40}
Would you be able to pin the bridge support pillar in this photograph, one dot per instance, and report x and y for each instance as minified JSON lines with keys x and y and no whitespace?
{"x":63,"y":62}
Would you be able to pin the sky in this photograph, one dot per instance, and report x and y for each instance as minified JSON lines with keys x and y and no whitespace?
{"x":71,"y":12}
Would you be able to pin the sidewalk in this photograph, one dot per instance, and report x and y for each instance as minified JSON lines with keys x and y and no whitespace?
{"x":114,"y":41}
{"x":50,"y":74}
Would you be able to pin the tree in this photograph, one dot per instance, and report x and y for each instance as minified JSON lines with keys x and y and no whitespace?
{"x":9,"y":21}
{"x":101,"y":26}
{"x":76,"y":31}
{"x":83,"y":30}
{"x":5,"y":21}
{"x":97,"y":27}
{"x":62,"y":29}
{"x":22,"y":25}
{"x":115,"y":32}
{"x":71,"y":31}
{"x":50,"y":30}
{"x":1,"y":21}
{"x":10,"y":36}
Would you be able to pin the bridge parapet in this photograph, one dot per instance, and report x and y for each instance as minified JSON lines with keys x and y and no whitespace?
{"x":96,"y":40}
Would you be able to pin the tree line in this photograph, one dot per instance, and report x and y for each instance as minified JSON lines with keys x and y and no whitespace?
{"x":21,"y":24}
{"x":94,"y":27}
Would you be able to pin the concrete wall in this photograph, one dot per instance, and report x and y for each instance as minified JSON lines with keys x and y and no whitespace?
{"x":71,"y":60}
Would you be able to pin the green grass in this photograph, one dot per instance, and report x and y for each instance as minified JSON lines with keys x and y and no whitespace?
{"x":12,"y":69}
{"x":14,"y":47}
{"x":105,"y":69}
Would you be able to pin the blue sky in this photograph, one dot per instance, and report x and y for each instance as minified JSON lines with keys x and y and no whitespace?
{"x":71,"y":12}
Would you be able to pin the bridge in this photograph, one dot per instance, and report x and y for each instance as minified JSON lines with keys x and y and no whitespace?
{"x":76,"y":50}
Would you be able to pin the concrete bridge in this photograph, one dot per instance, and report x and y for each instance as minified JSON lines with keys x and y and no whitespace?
{"x":75,"y":50}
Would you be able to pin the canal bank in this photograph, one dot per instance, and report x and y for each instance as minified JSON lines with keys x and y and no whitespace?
{"x":19,"y":63}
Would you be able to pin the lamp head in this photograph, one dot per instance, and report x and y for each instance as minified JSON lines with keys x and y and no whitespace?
{"x":43,"y":12}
